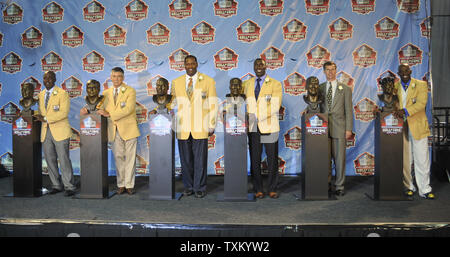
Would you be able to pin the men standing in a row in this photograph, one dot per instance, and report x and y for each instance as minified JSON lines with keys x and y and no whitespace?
{"x":196,"y":98}
{"x":264,"y":96}
{"x":413,"y":95}
{"x":123,"y":131}
{"x":54,"y":106}
{"x":338,"y":104}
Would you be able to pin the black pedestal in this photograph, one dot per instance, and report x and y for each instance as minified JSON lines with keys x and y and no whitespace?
{"x":235,"y":154}
{"x":162,"y":159}
{"x":315,"y":157}
{"x":27,"y":156}
{"x":94,"y":157}
{"x":388,"y":183}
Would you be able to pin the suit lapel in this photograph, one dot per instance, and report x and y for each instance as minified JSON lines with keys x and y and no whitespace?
{"x":337,"y":96}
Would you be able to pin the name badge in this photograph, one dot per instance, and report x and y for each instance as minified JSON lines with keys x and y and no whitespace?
{"x":203,"y":94}
{"x":414,"y":100}
{"x":268,"y":97}
{"x":56,"y":108}
{"x":122,"y":104}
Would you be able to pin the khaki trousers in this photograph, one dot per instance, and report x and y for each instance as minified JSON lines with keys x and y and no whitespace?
{"x":125,"y":158}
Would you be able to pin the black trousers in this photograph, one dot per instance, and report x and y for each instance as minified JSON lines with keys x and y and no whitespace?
{"x":255,"y":147}
{"x":194,"y":160}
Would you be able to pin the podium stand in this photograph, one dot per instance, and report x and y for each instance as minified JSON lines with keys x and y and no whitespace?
{"x":235,"y":153}
{"x":315,"y":157}
{"x":388,"y":183}
{"x":94,"y":157}
{"x":27,"y":156}
{"x":162,"y":158}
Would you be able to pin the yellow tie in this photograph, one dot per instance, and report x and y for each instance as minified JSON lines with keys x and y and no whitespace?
{"x":190,"y":89}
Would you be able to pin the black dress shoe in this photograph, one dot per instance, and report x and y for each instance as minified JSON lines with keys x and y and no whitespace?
{"x":200,"y":194}
{"x":54,"y":191}
{"x":340,"y":192}
{"x":187,"y":192}
{"x":69,"y":193}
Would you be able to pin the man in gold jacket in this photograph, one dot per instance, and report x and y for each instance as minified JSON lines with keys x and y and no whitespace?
{"x":54,"y":107}
{"x":196,"y":99}
{"x":123,"y":131}
{"x":264,"y":95}
{"x":413,"y":96}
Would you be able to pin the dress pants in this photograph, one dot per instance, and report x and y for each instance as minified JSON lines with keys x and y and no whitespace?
{"x":125,"y":158}
{"x":54,"y":151}
{"x":338,"y":155}
{"x":255,"y":148}
{"x":194,"y":160}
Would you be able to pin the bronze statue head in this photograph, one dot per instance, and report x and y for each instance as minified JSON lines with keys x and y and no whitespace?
{"x":235,"y":87}
{"x":93,"y":88}
{"x":162,"y":86}
{"x":27,"y":90}
{"x":387,"y":84}
{"x":312,"y":86}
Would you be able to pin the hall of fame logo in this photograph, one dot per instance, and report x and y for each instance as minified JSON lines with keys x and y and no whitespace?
{"x":212,"y":141}
{"x":51,"y":62}
{"x":364,"y":56}
{"x":74,"y":141}
{"x":37,"y":85}
{"x":225,"y":59}
{"x":391,"y":125}
{"x":317,"y":7}
{"x":180,"y":9}
{"x":141,"y":113}
{"x":294,"y":30}
{"x":271,"y":7}
{"x":387,"y":73}
{"x":90,"y":126}
{"x":176,"y":59}
{"x":410,"y":54}
{"x":225,"y":8}
{"x":72,"y":37}
{"x":114,"y":35}
{"x":219,"y":165}
{"x":94,"y":11}
{"x":364,"y":164}
{"x":351,"y":141}
{"x":293,"y":138}
{"x":386,"y":28}
{"x":345,"y":78}
{"x":248,"y":31}
{"x":32,"y":37}
{"x":136,"y":61}
{"x":73,"y":87}
{"x":365,"y":110}
{"x":158,"y":34}
{"x":363,"y":6}
{"x":425,"y":27}
{"x":13,"y":14}
{"x":93,"y":62}
{"x":316,"y":125}
{"x":21,"y":127}
{"x":151,"y":85}
{"x":141,"y":165}
{"x":281,"y":166}
{"x":11,"y":63}
{"x":340,"y":29}
{"x":136,"y":10}
{"x":273,"y":57}
{"x":203,"y":33}
{"x":408,"y":6}
{"x":7,"y":161}
{"x":52,"y":13}
{"x":317,"y":56}
{"x":295,"y":84}
{"x":160,"y":125}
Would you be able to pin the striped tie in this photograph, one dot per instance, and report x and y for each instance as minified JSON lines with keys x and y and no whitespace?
{"x":329,"y":96}
{"x":190,"y":89}
{"x":47,"y":97}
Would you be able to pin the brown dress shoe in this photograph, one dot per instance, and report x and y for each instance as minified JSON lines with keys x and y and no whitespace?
{"x":120,"y":190}
{"x":259,"y":195}
{"x":131,"y":191}
{"x":273,"y":195}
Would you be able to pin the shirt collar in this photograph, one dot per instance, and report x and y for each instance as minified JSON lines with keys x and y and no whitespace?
{"x":51,"y":90}
{"x":263,"y":78}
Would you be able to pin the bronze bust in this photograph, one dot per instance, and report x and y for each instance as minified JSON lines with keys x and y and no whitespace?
{"x":388,"y":97}
{"x":94,"y":101}
{"x":313,"y":98}
{"x":162,"y":98}
{"x":27,"y":101}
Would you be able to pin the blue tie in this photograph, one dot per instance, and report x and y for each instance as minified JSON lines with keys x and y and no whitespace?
{"x":257,"y":88}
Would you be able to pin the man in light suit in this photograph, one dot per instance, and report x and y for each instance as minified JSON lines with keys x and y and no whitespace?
{"x":54,"y":107}
{"x":413,"y":96}
{"x":196,"y":99}
{"x":338,"y":104}
{"x":264,"y":95}
{"x":123,"y":131}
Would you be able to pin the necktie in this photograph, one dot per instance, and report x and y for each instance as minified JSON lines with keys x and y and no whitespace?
{"x":257,"y":88}
{"x":47,"y":97}
{"x":116,"y":92}
{"x":329,"y":96}
{"x":190,"y":89}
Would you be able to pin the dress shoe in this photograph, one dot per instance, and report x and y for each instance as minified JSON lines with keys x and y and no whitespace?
{"x":120,"y":190}
{"x":340,"y":192}
{"x":274,"y":195}
{"x":200,"y":194}
{"x":259,"y":195}
{"x":68,"y":193}
{"x":54,"y":191}
{"x":429,"y":196}
{"x":131,"y":191}
{"x":187,"y":192}
{"x":409,"y":193}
